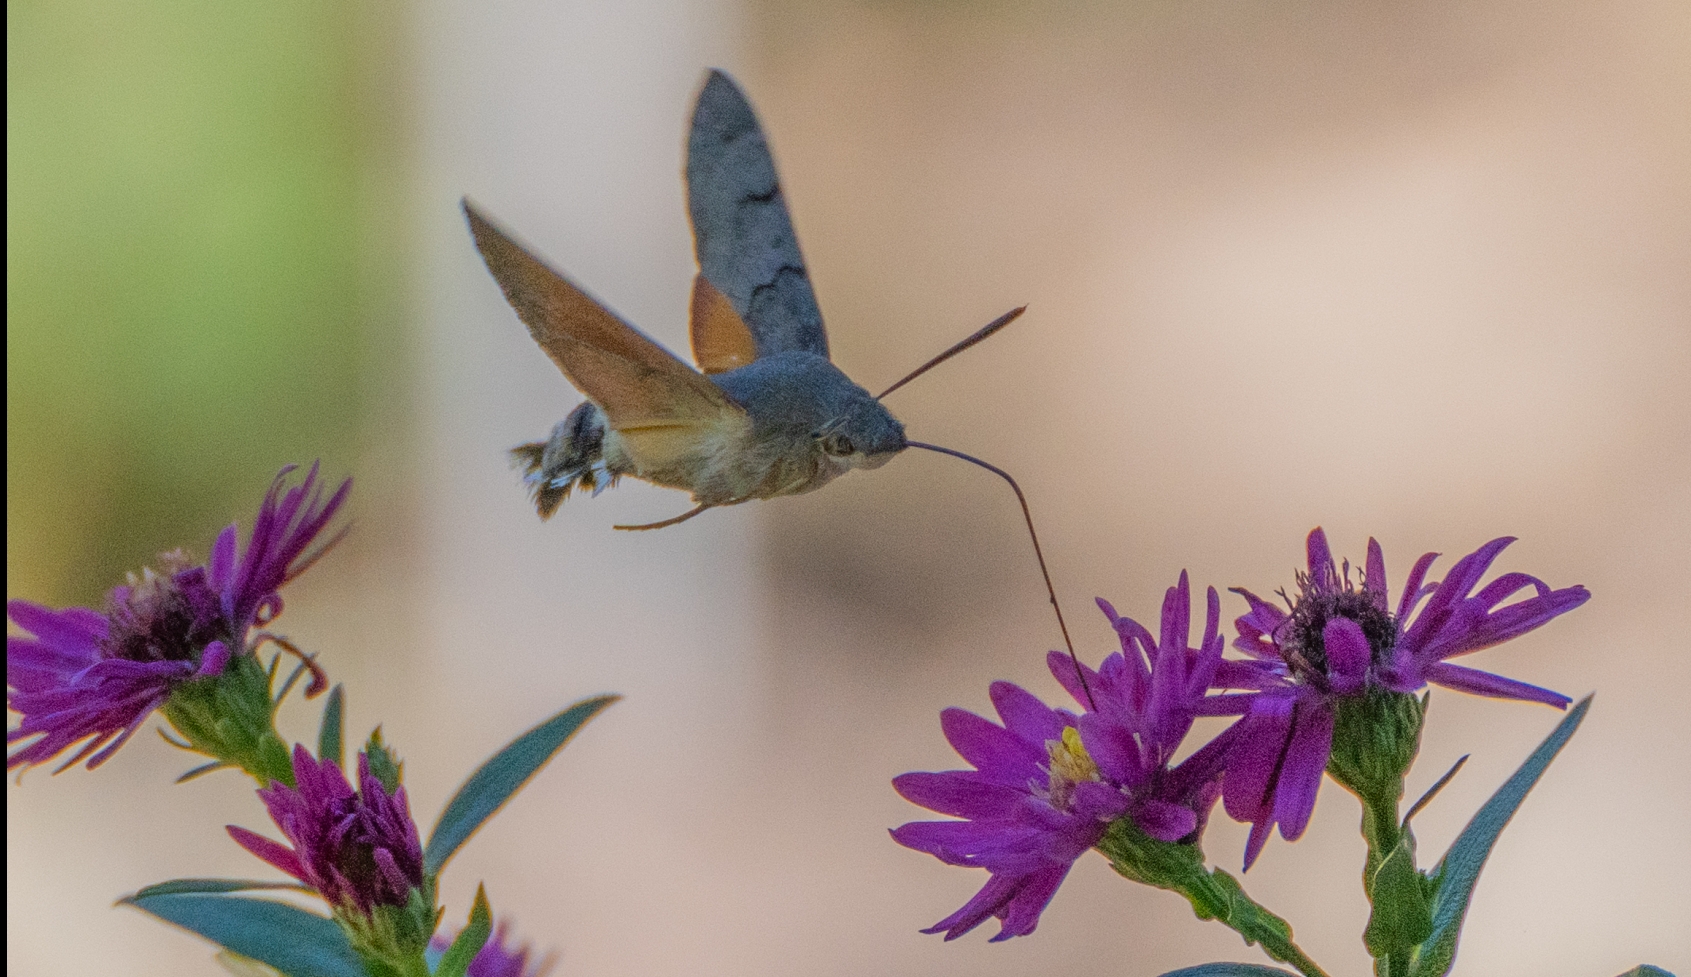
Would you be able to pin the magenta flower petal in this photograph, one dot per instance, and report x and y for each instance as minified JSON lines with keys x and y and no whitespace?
{"x":1374,"y":575}
{"x":1116,"y":751}
{"x":69,"y":691}
{"x":992,"y":900}
{"x":1023,"y":714}
{"x":1063,"y":670}
{"x":1021,"y":912}
{"x":960,"y":794}
{"x":288,"y":523}
{"x":1300,"y":773}
{"x":998,"y":753}
{"x":1247,"y":789}
{"x":1476,"y":682}
{"x":74,"y":629}
{"x":1253,"y":675}
{"x":278,"y":855}
{"x":1320,"y":557}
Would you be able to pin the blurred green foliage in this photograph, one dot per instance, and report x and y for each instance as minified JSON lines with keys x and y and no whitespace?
{"x":193,"y":285}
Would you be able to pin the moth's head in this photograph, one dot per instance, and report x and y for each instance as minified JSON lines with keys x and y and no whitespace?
{"x":866,"y":436}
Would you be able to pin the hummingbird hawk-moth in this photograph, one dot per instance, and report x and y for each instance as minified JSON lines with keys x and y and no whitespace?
{"x":766,"y":413}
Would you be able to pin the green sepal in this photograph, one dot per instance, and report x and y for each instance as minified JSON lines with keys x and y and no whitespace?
{"x":1459,"y":871}
{"x":1375,"y":738}
{"x":331,"y":739}
{"x":295,"y":942}
{"x":458,"y":957}
{"x":229,"y":717}
{"x":505,"y":773}
{"x":392,"y":940}
{"x":384,"y":766}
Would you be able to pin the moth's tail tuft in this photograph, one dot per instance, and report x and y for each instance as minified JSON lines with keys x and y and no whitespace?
{"x":572,"y":458}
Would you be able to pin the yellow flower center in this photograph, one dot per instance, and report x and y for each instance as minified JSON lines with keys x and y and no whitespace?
{"x":1070,"y":765}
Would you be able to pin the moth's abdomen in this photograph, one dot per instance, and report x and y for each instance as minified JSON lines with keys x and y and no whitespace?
{"x":573,"y":457}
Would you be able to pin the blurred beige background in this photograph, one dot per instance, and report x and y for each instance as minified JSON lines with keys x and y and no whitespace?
{"x":1416,"y":271}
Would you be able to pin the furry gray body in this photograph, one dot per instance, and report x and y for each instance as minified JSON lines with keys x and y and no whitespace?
{"x":800,"y":406}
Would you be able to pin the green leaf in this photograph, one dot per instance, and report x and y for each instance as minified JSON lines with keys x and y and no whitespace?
{"x":177,"y":887}
{"x":456,"y":961}
{"x":201,"y":770}
{"x":1646,"y":970}
{"x":296,"y":942}
{"x":502,"y":776}
{"x":1230,"y":971}
{"x":1460,"y":870}
{"x":331,"y":741}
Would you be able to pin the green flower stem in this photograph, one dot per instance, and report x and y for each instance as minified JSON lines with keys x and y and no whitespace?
{"x":1402,"y":901}
{"x":408,"y":967}
{"x":1213,"y":894}
{"x":1375,"y":739}
{"x":232,"y":719}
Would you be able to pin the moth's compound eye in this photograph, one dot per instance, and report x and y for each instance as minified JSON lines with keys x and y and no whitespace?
{"x":837,"y":445}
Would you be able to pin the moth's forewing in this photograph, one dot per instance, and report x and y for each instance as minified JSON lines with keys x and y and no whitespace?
{"x":741,"y":230}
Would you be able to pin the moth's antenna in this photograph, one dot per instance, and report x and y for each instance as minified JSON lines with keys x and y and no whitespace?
{"x":1027,"y":514}
{"x":984,"y":332}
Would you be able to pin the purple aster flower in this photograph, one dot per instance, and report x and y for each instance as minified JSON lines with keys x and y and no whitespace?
{"x":498,"y":959}
{"x":1339,"y":645}
{"x":357,"y":849}
{"x":81,"y":675}
{"x":1047,"y":784}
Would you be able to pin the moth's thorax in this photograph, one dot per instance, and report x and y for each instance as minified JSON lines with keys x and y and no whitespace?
{"x":790,"y":398}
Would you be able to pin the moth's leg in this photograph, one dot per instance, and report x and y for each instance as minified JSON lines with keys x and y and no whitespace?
{"x":667,"y":522}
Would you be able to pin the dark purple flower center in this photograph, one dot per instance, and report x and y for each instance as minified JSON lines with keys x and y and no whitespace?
{"x":165,"y":617}
{"x":1301,"y":637}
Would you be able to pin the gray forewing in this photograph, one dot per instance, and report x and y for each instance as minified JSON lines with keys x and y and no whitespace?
{"x":741,"y":230}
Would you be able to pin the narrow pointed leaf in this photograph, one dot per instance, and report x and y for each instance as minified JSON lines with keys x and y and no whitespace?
{"x":1230,"y":971}
{"x":331,"y":741}
{"x":1646,"y":970}
{"x":295,"y":942}
{"x":502,"y":776}
{"x":201,"y":771}
{"x":179,"y":887}
{"x":1460,"y":870}
{"x":456,"y":961}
